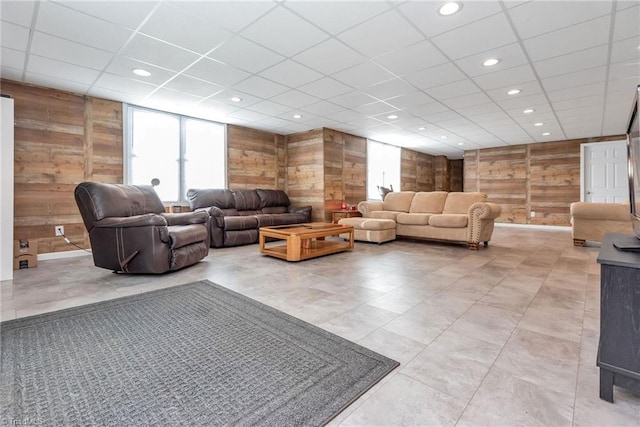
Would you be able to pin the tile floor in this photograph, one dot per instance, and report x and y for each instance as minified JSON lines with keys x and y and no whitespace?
{"x":503,"y":336}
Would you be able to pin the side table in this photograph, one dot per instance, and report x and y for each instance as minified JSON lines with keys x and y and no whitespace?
{"x":337,"y":215}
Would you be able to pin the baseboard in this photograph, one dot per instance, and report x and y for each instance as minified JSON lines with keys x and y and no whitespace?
{"x":61,"y":255}
{"x":535,"y":226}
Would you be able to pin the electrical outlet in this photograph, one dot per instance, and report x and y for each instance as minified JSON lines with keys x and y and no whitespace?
{"x":59,"y":230}
{"x":533,"y":214}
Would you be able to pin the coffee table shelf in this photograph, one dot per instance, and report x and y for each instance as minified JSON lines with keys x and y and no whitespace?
{"x":304,"y":241}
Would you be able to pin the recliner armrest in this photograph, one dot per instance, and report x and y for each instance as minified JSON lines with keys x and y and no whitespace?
{"x":200,"y":217}
{"x":145,"y":220}
{"x":301,"y":209}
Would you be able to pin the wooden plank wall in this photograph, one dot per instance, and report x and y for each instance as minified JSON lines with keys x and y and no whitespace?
{"x":456,"y":174}
{"x":442,"y":178}
{"x":355,"y":169}
{"x":255,"y":159}
{"x":305,"y":171}
{"x":61,"y":139}
{"x":543,"y":178}
{"x":416,"y":171}
{"x":425,"y":173}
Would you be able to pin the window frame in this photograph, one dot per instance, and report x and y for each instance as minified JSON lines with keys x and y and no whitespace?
{"x":128,"y":112}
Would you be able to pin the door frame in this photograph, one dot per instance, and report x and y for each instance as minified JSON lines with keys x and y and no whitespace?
{"x":583,"y":161}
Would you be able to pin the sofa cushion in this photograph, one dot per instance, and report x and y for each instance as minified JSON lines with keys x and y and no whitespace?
{"x":236,"y":223}
{"x":246,"y":200}
{"x":369,"y":223}
{"x":459,"y":203}
{"x":274,"y":210}
{"x":272,"y":198}
{"x":399,"y":201}
{"x":280,"y":219}
{"x":449,"y":220}
{"x":428,"y":202}
{"x":384,"y":214}
{"x":208,"y":197}
{"x":413,"y":218}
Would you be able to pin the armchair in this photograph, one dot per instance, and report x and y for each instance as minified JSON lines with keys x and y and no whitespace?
{"x":129,"y":231}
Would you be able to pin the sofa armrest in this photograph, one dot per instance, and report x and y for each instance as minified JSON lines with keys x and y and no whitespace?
{"x":200,"y":217}
{"x":601,"y":211}
{"x":485,"y":210}
{"x":145,"y":220}
{"x":306,"y":210}
{"x":365,"y":208}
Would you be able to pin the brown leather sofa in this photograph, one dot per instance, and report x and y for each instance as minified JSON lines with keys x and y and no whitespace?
{"x":130,"y":232}
{"x":237,"y":215}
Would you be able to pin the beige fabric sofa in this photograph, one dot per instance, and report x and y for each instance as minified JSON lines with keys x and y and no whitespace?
{"x":437,"y":215}
{"x":590,"y":221}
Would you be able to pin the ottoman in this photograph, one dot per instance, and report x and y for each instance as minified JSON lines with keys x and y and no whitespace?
{"x":371,"y":229}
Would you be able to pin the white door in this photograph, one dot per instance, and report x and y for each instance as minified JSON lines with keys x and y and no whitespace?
{"x":605,"y":177}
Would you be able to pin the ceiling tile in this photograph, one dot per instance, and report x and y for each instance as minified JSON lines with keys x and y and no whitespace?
{"x":425,"y":110}
{"x":572,"y":62}
{"x":12,"y":58}
{"x":295,"y":99}
{"x":49,"y":67}
{"x":510,"y":55}
{"x":70,"y":24}
{"x":627,"y":23}
{"x":260,"y":87}
{"x":574,"y":79}
{"x":522,"y":103}
{"x":192,"y":86}
{"x":375,"y":108}
{"x":576,"y":92}
{"x":322,"y":108}
{"x":123,"y":67}
{"x":370,"y":39}
{"x":226,"y":95}
{"x":526,"y":89}
{"x":425,"y":16}
{"x":480,"y":36}
{"x":201,"y":37}
{"x":469,"y":100}
{"x":352,"y":99}
{"x":248,"y":115}
{"x":217,"y":108}
{"x":14,"y":36}
{"x":270,"y":108}
{"x":291,"y":74}
{"x":233,"y":16}
{"x":57,"y":83}
{"x":340,"y":16}
{"x":409,"y":100}
{"x":17,"y":12}
{"x":293,"y":34}
{"x":329,"y":57}
{"x":325,"y":88}
{"x":129,"y":14}
{"x":625,"y":50}
{"x":67,"y":51}
{"x":163,"y":97}
{"x":412,"y":58}
{"x":435,"y":76}
{"x":390,"y":88}
{"x":363,"y":75}
{"x":122,"y":84}
{"x":245,"y":54}
{"x":578,"y":37}
{"x":453,"y":90}
{"x":216,"y":72}
{"x":156,"y":52}
{"x":539,"y":17}
{"x":507,"y":77}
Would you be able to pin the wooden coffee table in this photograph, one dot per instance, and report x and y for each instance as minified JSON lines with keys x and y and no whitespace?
{"x":304,"y":241}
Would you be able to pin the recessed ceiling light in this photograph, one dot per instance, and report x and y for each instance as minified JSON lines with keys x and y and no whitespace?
{"x":140,"y":72}
{"x":491,"y":62}
{"x":422,"y":128}
{"x":460,"y":143}
{"x":444,"y":137}
{"x":297,"y":116}
{"x":538,"y":124}
{"x":235,"y":99}
{"x":546,"y":134}
{"x":449,"y":8}
{"x":513,"y":92}
{"x":529,"y":111}
{"x":392,"y":116}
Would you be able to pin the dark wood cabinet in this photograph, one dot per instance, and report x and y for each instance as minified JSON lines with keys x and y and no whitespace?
{"x":619,"y":347}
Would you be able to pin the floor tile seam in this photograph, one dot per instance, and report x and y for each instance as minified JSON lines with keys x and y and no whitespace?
{"x":575,"y":393}
{"x":437,"y":390}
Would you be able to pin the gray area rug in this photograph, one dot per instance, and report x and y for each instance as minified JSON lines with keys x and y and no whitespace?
{"x":196,"y":354}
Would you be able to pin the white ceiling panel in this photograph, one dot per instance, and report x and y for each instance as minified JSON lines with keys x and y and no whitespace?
{"x":156,"y":52}
{"x":370,"y":38}
{"x":246,"y":55}
{"x":216,"y":72}
{"x":284,"y":32}
{"x":539,"y":17}
{"x":291,"y":74}
{"x":69,"y":24}
{"x":330,"y":57}
{"x":480,"y":36}
{"x":412,"y":58}
{"x":334,"y":63}
{"x":129,"y":14}
{"x":68,"y":51}
{"x":201,"y":36}
{"x":14,"y":36}
{"x":578,"y":37}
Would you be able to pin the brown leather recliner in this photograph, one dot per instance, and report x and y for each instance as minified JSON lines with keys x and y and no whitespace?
{"x":131,"y":233}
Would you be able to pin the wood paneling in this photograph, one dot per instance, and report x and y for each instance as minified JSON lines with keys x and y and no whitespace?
{"x":255,"y":159}
{"x":425,"y":173}
{"x":416,"y":170}
{"x":456,"y":174}
{"x":442,"y":178}
{"x":543,"y":178}
{"x":305,"y":171}
{"x":355,"y":169}
{"x":61,"y":139}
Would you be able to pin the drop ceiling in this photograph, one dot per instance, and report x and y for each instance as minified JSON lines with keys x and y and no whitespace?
{"x":396,"y":72}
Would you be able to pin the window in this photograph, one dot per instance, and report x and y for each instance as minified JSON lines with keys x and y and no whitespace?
{"x":383,"y":168}
{"x":181,"y":152}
